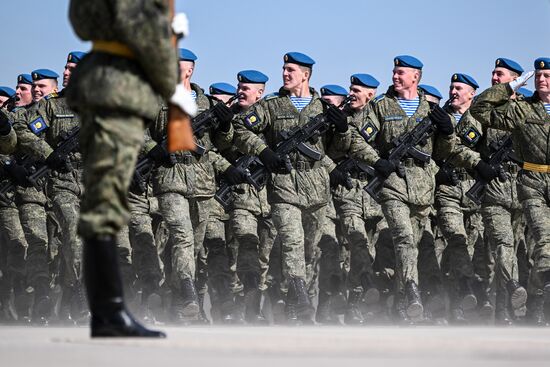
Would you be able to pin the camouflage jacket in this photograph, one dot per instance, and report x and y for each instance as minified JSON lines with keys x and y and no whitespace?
{"x":261,"y":128}
{"x":193,"y":175}
{"x":132,"y":84}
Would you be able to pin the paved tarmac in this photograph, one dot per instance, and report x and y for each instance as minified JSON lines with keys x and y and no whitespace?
{"x":280,"y":346}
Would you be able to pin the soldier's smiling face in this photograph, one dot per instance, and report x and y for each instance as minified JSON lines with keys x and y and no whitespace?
{"x":249,"y":93}
{"x":23,"y":94}
{"x":361,"y":96}
{"x":542,"y":81}
{"x":43,"y":87}
{"x":405,"y":78}
{"x":294,"y":76}
{"x":502,"y":75}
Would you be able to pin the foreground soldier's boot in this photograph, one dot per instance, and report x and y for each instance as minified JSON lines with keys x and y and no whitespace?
{"x":42,"y":306}
{"x":104,"y":289}
{"x":324,"y":314}
{"x":469,"y":300}
{"x":353,"y":315}
{"x":185,"y":303}
{"x":304,"y":309}
{"x":414,"y":302}
{"x":502,"y":316}
{"x":371,"y":295}
{"x":517,"y":296}
{"x":535,"y":310}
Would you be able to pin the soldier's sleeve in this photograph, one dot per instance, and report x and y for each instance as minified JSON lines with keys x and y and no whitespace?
{"x":492,"y":108}
{"x":363,"y":138}
{"x":145,"y":26}
{"x":468,"y":134}
{"x":219,"y":163}
{"x":247,"y":128}
{"x":328,"y":163}
{"x":443,"y":146}
{"x":224,"y":140}
{"x":28,"y":140}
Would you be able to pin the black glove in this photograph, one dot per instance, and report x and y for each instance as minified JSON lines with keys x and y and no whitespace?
{"x":338,"y":119}
{"x":337,"y":177}
{"x":5,"y":125}
{"x":158,"y":154}
{"x":485,"y":171}
{"x":271,"y":160}
{"x":384,"y":167}
{"x":442,"y":177}
{"x":234,"y":176}
{"x":57,"y":162}
{"x":224,"y":115}
{"x":442,"y":120}
{"x":18,"y":173}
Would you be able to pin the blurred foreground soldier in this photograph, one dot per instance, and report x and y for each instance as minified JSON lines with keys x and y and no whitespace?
{"x":528,"y":120}
{"x":132,"y":62}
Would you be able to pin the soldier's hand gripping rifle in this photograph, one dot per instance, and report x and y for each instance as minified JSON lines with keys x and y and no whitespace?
{"x":15,"y":172}
{"x":256,"y":176}
{"x":67,"y":145}
{"x":349,"y":165}
{"x":503,"y":151}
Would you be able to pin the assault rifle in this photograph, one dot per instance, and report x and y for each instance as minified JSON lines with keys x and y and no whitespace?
{"x":199,"y":124}
{"x":503,"y":151}
{"x":11,"y":181}
{"x":350,"y":165}
{"x":256,"y":176}
{"x":67,"y":145}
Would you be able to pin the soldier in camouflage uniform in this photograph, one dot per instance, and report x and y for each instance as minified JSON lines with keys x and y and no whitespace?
{"x":405,"y":201}
{"x":527,"y":119}
{"x":250,"y":214}
{"x":184,"y":184}
{"x":500,"y":209}
{"x":298,"y":198}
{"x":133,"y":62}
{"x":64,"y":187}
{"x":29,"y":126}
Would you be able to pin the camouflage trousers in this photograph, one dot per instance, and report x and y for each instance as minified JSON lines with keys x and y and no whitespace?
{"x":331,"y":272}
{"x":299,"y":231}
{"x":13,"y":248}
{"x":109,"y":142}
{"x":407,"y":223}
{"x":253,"y":236}
{"x":537,"y":213}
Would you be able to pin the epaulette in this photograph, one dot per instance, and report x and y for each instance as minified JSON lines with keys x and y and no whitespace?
{"x":51,"y":95}
{"x":379,"y":98}
{"x":271,"y":96}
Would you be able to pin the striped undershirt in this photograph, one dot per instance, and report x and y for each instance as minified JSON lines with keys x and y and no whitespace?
{"x":547,"y":108}
{"x":409,"y":105}
{"x":193,"y":94}
{"x":457,"y":116}
{"x":300,"y":102}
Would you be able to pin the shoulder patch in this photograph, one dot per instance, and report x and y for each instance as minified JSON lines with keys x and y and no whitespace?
{"x":379,"y":98}
{"x":368,"y":131}
{"x":51,"y":95}
{"x":251,"y":119}
{"x":38,"y":125}
{"x":271,"y":96}
{"x":471,"y":136}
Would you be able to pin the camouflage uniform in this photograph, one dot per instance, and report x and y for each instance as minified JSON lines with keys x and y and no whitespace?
{"x":405,"y":201}
{"x":527,"y":121}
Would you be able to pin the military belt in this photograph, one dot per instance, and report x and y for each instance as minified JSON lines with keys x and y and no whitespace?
{"x":534,"y":167}
{"x":411,"y":162}
{"x":305,"y":166}
{"x":113,"y":48}
{"x":187,"y":159}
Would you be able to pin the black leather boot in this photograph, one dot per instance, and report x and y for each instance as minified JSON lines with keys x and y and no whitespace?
{"x":42,"y":307}
{"x":400,"y":310}
{"x":185,"y":303}
{"x":535,"y":310}
{"x":353,"y":315}
{"x":469,"y":300}
{"x":414,"y":302}
{"x":325,"y":314}
{"x":298,"y":291}
{"x":277,"y":304}
{"x":151,"y":300}
{"x":79,"y":309}
{"x":371,"y":295}
{"x":502,"y":315}
{"x":517,"y":296}
{"x":104,"y":289}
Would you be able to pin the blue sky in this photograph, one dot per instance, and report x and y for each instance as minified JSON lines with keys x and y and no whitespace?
{"x":344,"y":37}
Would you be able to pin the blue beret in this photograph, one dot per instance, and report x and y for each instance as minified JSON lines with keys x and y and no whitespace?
{"x":7,"y":92}
{"x":40,"y":74}
{"x":252,"y":76}
{"x":432,"y":91}
{"x":466,"y":79}
{"x":542,"y":63}
{"x":187,"y":55}
{"x":364,"y":80}
{"x":75,"y":56}
{"x":408,"y":61}
{"x":24,"y":79}
{"x":222,"y":88}
{"x":333,"y":90}
{"x":299,"y":58}
{"x":525,"y":92}
{"x":502,"y":62}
